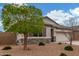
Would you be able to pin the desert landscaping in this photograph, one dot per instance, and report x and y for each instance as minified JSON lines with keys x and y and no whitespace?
{"x":50,"y":49}
{"x":27,"y":31}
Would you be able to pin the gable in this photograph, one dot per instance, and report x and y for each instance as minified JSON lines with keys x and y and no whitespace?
{"x":49,"y":21}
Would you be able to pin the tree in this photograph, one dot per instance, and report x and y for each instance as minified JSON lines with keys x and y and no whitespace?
{"x":22,"y":19}
{"x":71,"y":23}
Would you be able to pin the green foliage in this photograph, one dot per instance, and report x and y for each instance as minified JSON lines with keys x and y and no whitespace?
{"x":22,"y":19}
{"x":63,"y":54}
{"x":59,"y":43}
{"x":41,"y":44}
{"x":68,"y":48}
{"x":7,"y":48}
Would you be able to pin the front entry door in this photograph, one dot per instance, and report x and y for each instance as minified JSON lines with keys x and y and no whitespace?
{"x":52,"y":36}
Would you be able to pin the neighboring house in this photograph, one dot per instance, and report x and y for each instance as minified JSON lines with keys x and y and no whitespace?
{"x":53,"y":32}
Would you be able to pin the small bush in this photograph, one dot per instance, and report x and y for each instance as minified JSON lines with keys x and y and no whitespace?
{"x":7,"y":48}
{"x":59,"y":43}
{"x":41,"y":44}
{"x":6,"y":55}
{"x":68,"y":48}
{"x":63,"y":54}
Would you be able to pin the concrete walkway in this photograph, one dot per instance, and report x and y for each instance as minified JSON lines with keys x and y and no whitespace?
{"x":68,"y":42}
{"x":74,"y":42}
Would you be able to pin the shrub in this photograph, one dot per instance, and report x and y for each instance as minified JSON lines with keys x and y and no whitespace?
{"x":6,"y":55}
{"x":63,"y":54}
{"x":7,"y":48}
{"x":41,"y":44}
{"x":68,"y":48}
{"x":59,"y":43}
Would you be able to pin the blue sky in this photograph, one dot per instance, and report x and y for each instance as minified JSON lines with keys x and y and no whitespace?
{"x":58,"y":11}
{"x":47,"y":7}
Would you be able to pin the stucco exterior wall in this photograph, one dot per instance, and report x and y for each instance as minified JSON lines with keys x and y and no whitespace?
{"x":48,"y":31}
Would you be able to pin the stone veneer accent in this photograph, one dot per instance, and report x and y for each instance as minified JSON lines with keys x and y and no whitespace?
{"x":36,"y":41}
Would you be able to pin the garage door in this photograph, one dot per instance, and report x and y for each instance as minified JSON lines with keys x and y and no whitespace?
{"x":60,"y":37}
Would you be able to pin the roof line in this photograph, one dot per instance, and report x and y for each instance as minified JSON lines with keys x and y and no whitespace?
{"x":61,"y":26}
{"x":52,"y":20}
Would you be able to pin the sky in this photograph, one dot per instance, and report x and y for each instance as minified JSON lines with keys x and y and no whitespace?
{"x":58,"y":12}
{"x":47,"y":7}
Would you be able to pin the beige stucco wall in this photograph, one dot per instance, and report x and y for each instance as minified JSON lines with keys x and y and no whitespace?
{"x":48,"y":31}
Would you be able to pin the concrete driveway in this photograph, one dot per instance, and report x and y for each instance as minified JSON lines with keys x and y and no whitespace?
{"x":74,"y":42}
{"x":68,"y":42}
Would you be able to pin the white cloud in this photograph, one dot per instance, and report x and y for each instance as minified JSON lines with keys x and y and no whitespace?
{"x":56,"y":14}
{"x":60,"y":15}
{"x":75,"y":11}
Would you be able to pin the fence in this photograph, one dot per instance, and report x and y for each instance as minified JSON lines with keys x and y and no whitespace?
{"x":7,"y":38}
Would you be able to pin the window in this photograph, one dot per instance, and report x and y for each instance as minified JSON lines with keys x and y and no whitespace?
{"x":38,"y":34}
{"x":44,"y":32}
{"x":35,"y":34}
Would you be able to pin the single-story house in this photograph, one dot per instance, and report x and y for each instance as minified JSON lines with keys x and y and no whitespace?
{"x":53,"y":32}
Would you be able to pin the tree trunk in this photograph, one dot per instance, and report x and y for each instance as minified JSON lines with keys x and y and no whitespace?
{"x":71,"y":41}
{"x":25,"y":41}
{"x":72,"y":37}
